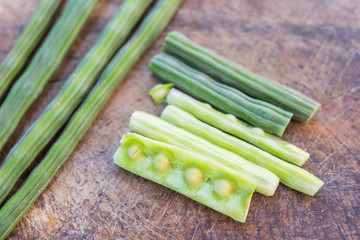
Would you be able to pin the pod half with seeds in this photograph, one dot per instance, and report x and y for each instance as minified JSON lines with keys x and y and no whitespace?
{"x":195,"y":175}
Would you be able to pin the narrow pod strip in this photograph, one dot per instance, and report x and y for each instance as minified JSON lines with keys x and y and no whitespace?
{"x":289,"y":174}
{"x":232,"y":125}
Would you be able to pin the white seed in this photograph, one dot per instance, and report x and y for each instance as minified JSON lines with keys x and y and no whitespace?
{"x":193,"y":176}
{"x":161,"y":163}
{"x":223,"y":187}
{"x":135,"y":152}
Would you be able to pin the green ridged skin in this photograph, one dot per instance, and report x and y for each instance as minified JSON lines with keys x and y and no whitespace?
{"x":150,"y":28}
{"x":28,"y":87}
{"x":232,"y":125}
{"x":235,"y":205}
{"x":258,"y":113}
{"x":70,"y":96}
{"x":26,"y":43}
{"x":289,"y":174}
{"x":237,"y":76}
{"x":156,"y":128}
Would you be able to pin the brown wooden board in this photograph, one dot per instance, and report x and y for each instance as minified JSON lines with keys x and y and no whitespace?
{"x":312,"y":46}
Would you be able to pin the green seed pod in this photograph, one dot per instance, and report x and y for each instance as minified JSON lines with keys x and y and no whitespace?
{"x":27,"y":42}
{"x":258,"y":113}
{"x":72,"y":93}
{"x":237,"y":76}
{"x":232,"y":125}
{"x":50,"y":54}
{"x":197,"y":176}
{"x":150,"y":28}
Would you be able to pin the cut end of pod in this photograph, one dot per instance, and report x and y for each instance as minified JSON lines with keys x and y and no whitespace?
{"x":306,"y":118}
{"x":160,"y":91}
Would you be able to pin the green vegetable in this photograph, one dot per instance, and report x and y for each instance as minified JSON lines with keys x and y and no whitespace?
{"x":289,"y":174}
{"x":70,"y":96}
{"x":197,"y":176}
{"x":237,"y":76}
{"x":28,"y":87}
{"x":259,"y":113}
{"x":129,"y":54}
{"x":232,"y":125}
{"x":153,"y":127}
{"x":26,"y":43}
{"x":160,"y":91}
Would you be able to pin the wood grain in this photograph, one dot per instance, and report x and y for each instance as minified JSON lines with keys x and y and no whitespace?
{"x":312,"y":46}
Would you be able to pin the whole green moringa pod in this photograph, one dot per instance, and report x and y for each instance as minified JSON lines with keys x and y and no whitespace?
{"x":258,"y":113}
{"x":237,"y":76}
{"x":50,"y":54}
{"x":26,"y":43}
{"x":150,"y":28}
{"x":74,"y":90}
{"x":197,"y":176}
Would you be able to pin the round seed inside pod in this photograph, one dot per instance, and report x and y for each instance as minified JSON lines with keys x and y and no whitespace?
{"x":135,"y":152}
{"x":193,"y":176}
{"x":161,"y":163}
{"x":223,"y":187}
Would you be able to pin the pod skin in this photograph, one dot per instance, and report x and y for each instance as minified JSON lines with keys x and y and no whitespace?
{"x":215,"y":185}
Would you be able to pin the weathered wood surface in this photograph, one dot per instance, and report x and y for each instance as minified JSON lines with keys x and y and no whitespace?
{"x":313,"y":46}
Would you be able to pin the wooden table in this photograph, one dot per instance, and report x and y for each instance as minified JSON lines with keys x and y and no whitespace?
{"x":312,"y":46}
